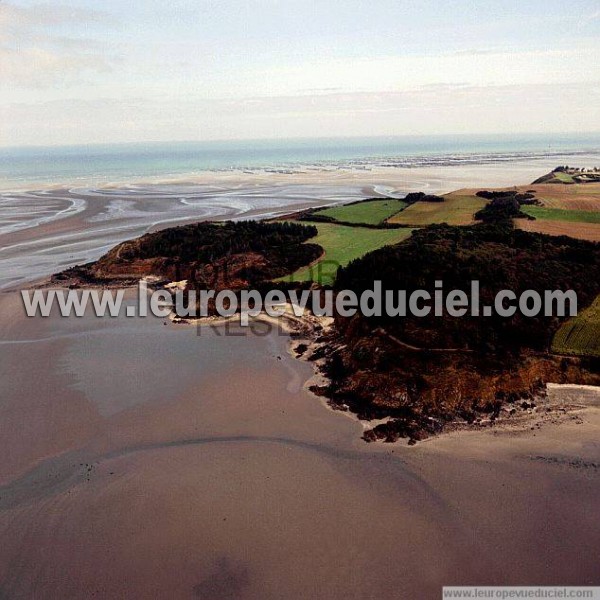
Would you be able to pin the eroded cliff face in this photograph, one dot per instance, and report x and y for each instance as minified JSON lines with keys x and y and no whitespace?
{"x":236,"y":271}
{"x":423,"y":373}
{"x":123,"y":262}
{"x":422,"y":392}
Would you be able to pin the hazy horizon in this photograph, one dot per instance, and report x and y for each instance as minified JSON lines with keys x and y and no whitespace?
{"x":558,"y":135}
{"x":233,"y":141}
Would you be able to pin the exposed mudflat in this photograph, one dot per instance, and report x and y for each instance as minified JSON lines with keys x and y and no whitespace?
{"x":145,"y":460}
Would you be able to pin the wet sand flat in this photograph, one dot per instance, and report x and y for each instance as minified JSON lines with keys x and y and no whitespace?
{"x":46,"y":230}
{"x":144,"y":460}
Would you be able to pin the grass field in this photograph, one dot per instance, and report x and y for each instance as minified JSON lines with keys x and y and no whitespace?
{"x":556,"y":214}
{"x":372,"y":212}
{"x":343,"y":244}
{"x":581,"y":335}
{"x":458,"y":208}
{"x":563,"y":177}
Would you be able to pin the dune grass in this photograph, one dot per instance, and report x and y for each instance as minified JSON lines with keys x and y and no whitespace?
{"x":342,"y":244}
{"x":371,"y":212}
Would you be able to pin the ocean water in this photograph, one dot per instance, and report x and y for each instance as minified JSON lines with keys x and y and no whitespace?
{"x":65,"y":206}
{"x":34,"y":167}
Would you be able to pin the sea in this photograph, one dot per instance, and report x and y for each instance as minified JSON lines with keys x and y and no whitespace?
{"x":63,"y":206}
{"x":33,"y":167}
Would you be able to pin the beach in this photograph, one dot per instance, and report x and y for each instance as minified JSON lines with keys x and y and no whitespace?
{"x":219,"y":475}
{"x":145,"y":458}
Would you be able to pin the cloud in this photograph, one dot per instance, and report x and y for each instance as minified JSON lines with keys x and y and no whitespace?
{"x":42,"y":15}
{"x":430,"y":110}
{"x":40,"y":67}
{"x":35,"y":51}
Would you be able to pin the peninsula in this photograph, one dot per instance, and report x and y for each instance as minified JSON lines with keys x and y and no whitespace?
{"x":413,"y":377}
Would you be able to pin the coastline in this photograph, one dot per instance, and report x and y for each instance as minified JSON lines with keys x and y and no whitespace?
{"x":213,"y":435}
{"x":552,"y":406}
{"x":517,"y":391}
{"x":111,"y":213}
{"x":380,"y":162}
{"x":299,"y":301}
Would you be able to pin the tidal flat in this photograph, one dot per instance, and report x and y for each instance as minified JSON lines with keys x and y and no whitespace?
{"x":144,"y":458}
{"x":141,"y":458}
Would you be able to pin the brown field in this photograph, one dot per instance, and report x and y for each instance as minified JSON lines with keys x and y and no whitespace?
{"x":582,"y":231}
{"x":567,"y":197}
{"x":576,"y":197}
{"x":457,"y":209}
{"x":564,"y":197}
{"x":461,"y":205}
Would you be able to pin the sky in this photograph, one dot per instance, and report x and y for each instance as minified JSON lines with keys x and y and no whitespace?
{"x":83,"y":72}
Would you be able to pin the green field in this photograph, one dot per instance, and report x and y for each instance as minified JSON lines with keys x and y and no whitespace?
{"x":343,"y":244}
{"x":557,"y":214}
{"x":563,"y":177}
{"x":457,"y":209}
{"x":372,"y":212}
{"x":581,"y":335}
